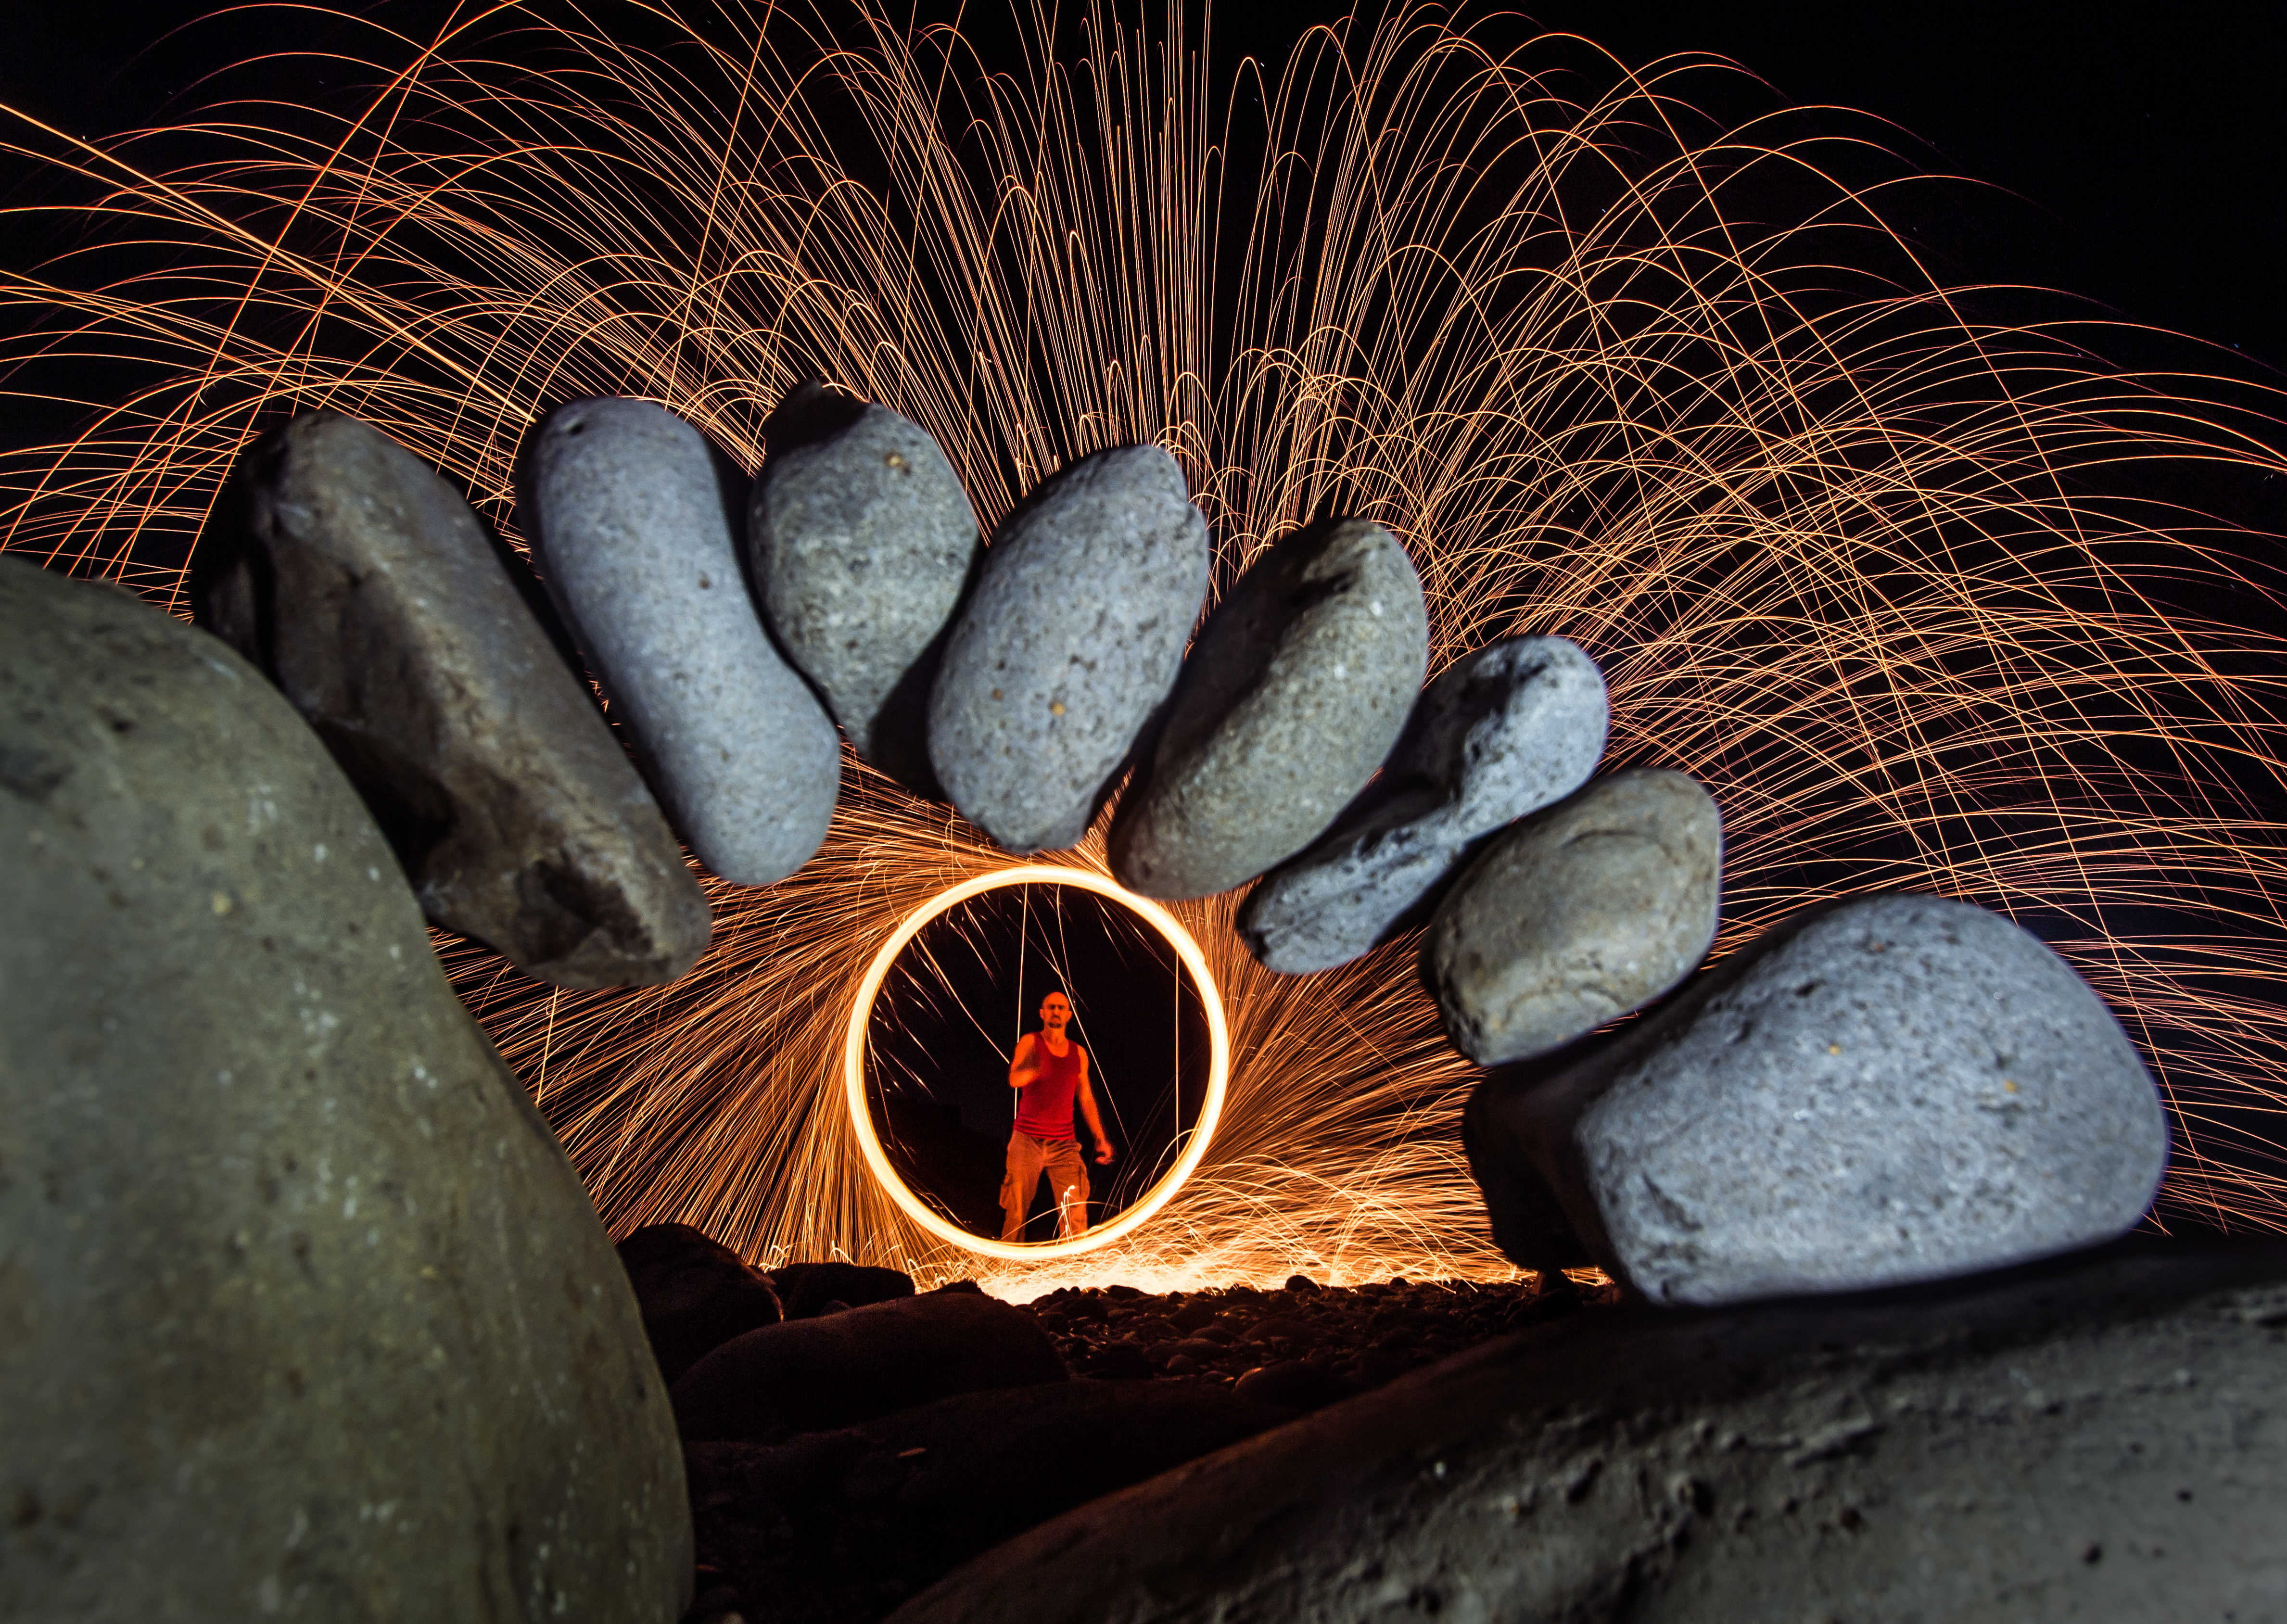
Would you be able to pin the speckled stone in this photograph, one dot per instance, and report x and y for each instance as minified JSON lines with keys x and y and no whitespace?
{"x":862,"y":540}
{"x":1500,"y":733}
{"x":631,"y":520}
{"x":1576,"y":916}
{"x":1298,"y":683}
{"x":1070,"y":642}
{"x":302,"y":1310}
{"x":365,"y":588}
{"x":1890,"y":1089}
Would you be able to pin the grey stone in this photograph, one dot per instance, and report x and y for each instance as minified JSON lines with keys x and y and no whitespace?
{"x":1070,"y":642}
{"x":1888,"y":1089}
{"x":1576,"y":916}
{"x":302,"y":1310}
{"x":862,"y":542}
{"x":364,"y":587}
{"x":631,"y":517}
{"x":2096,"y":1439}
{"x":1500,"y":733}
{"x":1298,"y":683}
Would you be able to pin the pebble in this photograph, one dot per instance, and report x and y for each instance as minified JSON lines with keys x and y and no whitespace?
{"x":1890,"y":1089}
{"x":1576,"y":916}
{"x":1072,"y":637}
{"x":1298,"y":685}
{"x":861,"y":540}
{"x":631,"y":517}
{"x":1500,"y":733}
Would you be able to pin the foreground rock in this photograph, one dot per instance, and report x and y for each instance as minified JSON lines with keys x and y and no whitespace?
{"x":1298,"y":683}
{"x":862,"y":539}
{"x":808,"y":1374}
{"x":839,"y":1526}
{"x":694,"y":1294}
{"x":1578,"y":916}
{"x":364,"y":587}
{"x":1500,"y":733}
{"x":1071,"y":639}
{"x":2095,"y":1438}
{"x":1890,"y":1089}
{"x":631,"y":517}
{"x":810,"y":1289}
{"x":305,"y":1312}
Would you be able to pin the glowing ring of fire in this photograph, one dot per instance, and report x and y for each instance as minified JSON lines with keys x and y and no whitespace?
{"x":861,"y":1010}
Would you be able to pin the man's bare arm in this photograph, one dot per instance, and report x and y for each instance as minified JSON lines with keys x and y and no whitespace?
{"x":1025,"y":1065}
{"x":1088,"y":1111}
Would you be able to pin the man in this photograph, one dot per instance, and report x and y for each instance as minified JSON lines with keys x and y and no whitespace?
{"x":1049,"y":1073}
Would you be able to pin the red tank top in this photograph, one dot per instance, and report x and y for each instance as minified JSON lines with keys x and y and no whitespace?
{"x":1047,"y":1110}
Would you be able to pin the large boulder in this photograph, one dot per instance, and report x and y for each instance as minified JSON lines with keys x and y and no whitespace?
{"x":1069,"y":644}
{"x":364,"y":587}
{"x":1298,"y":683}
{"x":1887,"y":1089}
{"x":1501,"y":732}
{"x":2099,"y":1438}
{"x":862,"y":540}
{"x":302,"y":1310}
{"x":807,"y":1375}
{"x":631,"y":517}
{"x":694,"y":1294}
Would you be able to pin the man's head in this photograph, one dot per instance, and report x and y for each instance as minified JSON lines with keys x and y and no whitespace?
{"x":1055,"y":1012}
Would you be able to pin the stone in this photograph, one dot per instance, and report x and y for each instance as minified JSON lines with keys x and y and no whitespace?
{"x":862,"y":543}
{"x":694,"y":1294}
{"x":1298,"y":683}
{"x":812,"y":1375}
{"x":805,"y":1288}
{"x":364,"y":587}
{"x":631,"y":516}
{"x":2095,"y":1438}
{"x":1068,"y":646}
{"x":1576,"y":916}
{"x":1887,"y":1089}
{"x":1500,"y":733}
{"x":302,"y":1309}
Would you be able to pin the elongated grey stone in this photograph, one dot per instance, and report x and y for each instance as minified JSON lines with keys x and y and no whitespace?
{"x":1888,"y":1089}
{"x":1298,"y":685}
{"x":1580,"y":913}
{"x":1501,"y":732}
{"x":1071,"y":639}
{"x":303,"y":1311}
{"x":862,"y":540}
{"x":369,"y":592}
{"x":630,"y":519}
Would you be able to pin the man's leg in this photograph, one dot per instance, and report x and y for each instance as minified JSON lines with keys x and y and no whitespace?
{"x":1018,"y":1185}
{"x":1067,"y":1170}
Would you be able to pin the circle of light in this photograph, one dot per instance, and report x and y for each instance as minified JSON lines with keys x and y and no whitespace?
{"x":861,"y":1009}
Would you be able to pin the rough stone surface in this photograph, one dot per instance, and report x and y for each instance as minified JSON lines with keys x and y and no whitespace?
{"x":862,"y":542}
{"x":694,"y":1294}
{"x":364,"y":587}
{"x":1576,"y":916}
{"x":806,"y":1288}
{"x":1298,"y":683}
{"x":1500,"y":733}
{"x":2103,"y":1437}
{"x":1893,"y":1089}
{"x":302,"y":1310}
{"x":807,"y":1375}
{"x":1070,"y":642}
{"x":631,"y":517}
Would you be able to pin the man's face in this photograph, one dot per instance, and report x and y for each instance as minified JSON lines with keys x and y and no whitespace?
{"x":1055,"y":1012}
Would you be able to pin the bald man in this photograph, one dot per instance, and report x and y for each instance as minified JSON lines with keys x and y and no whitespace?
{"x":1049,"y":1073}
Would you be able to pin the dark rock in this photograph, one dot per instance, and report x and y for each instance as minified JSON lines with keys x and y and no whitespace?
{"x":364,"y":587}
{"x":807,"y":1375}
{"x":302,"y":1307}
{"x":805,"y":1288}
{"x":969,"y":1287}
{"x":1945,"y":1451}
{"x":1301,"y":1282}
{"x":1119,"y":1361}
{"x":695,"y":1294}
{"x":1293,"y":1384}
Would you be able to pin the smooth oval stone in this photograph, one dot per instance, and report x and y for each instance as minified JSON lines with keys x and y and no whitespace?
{"x":862,"y":540}
{"x":1298,"y":685}
{"x":1500,"y":733}
{"x":1071,"y":639}
{"x":1887,"y":1089}
{"x":629,"y":516}
{"x":1576,"y":916}
{"x":369,"y":592}
{"x":302,"y":1310}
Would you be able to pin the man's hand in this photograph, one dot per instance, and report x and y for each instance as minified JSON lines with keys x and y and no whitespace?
{"x":1104,"y":1152}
